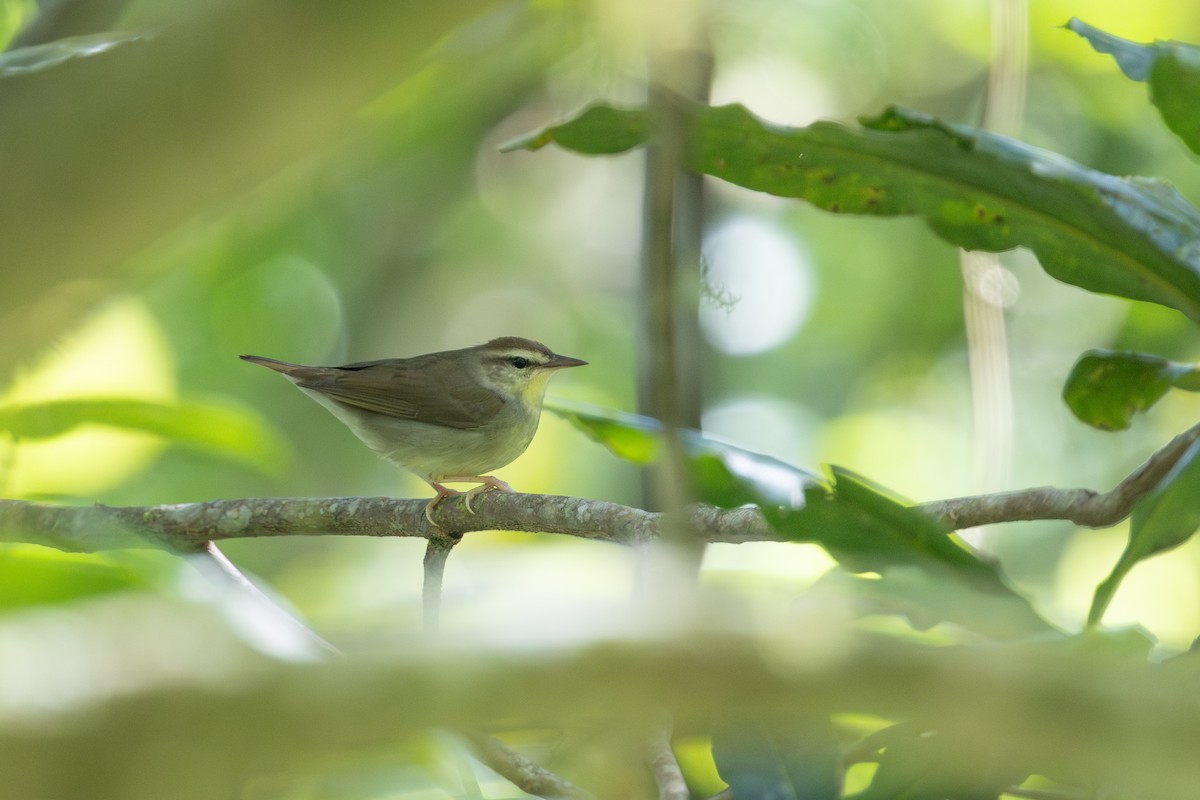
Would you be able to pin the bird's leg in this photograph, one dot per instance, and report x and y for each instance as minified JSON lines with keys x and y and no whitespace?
{"x":442,"y":493}
{"x":485,"y":482}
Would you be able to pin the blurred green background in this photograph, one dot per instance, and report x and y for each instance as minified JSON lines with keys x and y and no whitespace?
{"x":322,"y":183}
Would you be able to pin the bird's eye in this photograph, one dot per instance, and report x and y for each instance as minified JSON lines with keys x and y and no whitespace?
{"x":520,"y":362}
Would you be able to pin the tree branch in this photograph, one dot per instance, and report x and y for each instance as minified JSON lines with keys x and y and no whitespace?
{"x":668,"y":776}
{"x":1083,"y":507}
{"x":189,"y":527}
{"x":518,"y":770}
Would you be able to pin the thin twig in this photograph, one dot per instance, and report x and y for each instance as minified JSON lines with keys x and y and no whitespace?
{"x":1081,"y":506}
{"x":668,"y":776}
{"x":227,"y":568}
{"x":520,"y":771}
{"x":523,"y":773}
{"x":437,"y":550}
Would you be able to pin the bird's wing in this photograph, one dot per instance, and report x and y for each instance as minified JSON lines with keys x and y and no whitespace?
{"x":411,"y":388}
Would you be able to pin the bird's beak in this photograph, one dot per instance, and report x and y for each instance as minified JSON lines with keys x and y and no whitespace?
{"x":558,"y":362}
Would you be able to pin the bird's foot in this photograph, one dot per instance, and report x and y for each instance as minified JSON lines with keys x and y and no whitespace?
{"x":486,"y":483}
{"x":442,"y":493}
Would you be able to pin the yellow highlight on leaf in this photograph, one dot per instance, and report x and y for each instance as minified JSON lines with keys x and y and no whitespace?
{"x":120,"y":352}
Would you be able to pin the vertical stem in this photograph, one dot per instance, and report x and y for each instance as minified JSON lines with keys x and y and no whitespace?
{"x":668,"y":379}
{"x":437,"y":550}
{"x":669,"y":352}
{"x":987,"y":354}
{"x":984,"y":278}
{"x":664,"y":392}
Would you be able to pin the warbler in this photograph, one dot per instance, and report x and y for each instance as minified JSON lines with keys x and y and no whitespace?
{"x":447,"y":417}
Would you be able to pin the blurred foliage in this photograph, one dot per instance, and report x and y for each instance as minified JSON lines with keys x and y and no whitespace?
{"x":187,"y":181}
{"x":801,"y":760}
{"x":235,"y":433}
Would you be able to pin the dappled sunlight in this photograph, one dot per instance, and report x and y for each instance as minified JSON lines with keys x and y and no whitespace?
{"x":1162,"y":594}
{"x":916,"y":454}
{"x":120,"y":352}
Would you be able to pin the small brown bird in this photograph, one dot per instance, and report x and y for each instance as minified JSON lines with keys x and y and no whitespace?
{"x":447,"y":417}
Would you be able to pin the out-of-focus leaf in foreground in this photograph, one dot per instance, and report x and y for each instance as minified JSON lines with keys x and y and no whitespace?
{"x":1105,"y":389}
{"x":910,"y":593}
{"x":223,"y":429}
{"x":1131,"y":237}
{"x":1171,"y":68}
{"x":925,"y":764}
{"x":1129,"y":723}
{"x":101,"y":156}
{"x":801,"y":760}
{"x":1165,"y":518}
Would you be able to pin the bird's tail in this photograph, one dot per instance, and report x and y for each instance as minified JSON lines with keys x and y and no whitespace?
{"x":271,"y":363}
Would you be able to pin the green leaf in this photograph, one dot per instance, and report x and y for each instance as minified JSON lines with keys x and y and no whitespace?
{"x":721,"y":474}
{"x":1130,"y":237}
{"x":797,"y":761}
{"x":863,"y":526}
{"x":1165,"y":518}
{"x":30,"y":575}
{"x":1171,"y":68}
{"x":219,"y":428}
{"x":599,"y":130}
{"x":922,"y":764}
{"x":907,"y":592}
{"x":629,"y":436}
{"x":1135,"y":60}
{"x":1105,"y":389}
{"x":869,"y":530}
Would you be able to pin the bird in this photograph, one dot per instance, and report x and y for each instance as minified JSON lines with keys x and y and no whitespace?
{"x":446,"y":417}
